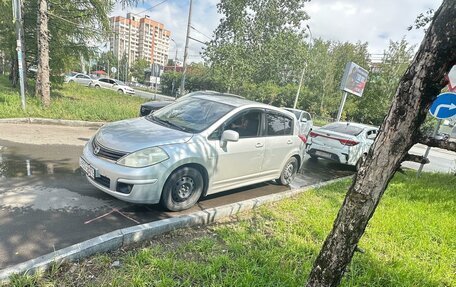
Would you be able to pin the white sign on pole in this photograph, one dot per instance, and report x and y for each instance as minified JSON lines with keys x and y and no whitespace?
{"x":113,"y":70}
{"x":354,"y":79}
{"x":452,"y":79}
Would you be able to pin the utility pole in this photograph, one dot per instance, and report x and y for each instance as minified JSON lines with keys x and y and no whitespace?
{"x":186,"y":48}
{"x":304,"y":68}
{"x":17,"y":18}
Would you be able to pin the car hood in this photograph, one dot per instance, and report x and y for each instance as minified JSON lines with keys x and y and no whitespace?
{"x":135,"y":134}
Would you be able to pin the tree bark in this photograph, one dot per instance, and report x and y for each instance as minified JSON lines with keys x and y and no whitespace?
{"x":24,"y":62}
{"x":432,"y":142}
{"x":415,"y":158}
{"x":419,"y":86}
{"x":42,"y":89}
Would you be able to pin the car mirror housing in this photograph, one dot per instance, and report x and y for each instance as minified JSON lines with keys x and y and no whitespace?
{"x":229,"y":136}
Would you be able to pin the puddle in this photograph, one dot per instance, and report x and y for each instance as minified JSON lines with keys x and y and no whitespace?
{"x":21,"y":161}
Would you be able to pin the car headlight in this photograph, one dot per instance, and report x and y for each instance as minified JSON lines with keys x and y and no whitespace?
{"x":144,"y":157}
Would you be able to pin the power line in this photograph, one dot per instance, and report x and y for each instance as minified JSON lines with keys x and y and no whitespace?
{"x":148,"y":9}
{"x":201,"y":32}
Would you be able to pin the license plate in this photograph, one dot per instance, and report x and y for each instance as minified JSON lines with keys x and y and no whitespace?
{"x":87,"y":168}
{"x":321,"y":153}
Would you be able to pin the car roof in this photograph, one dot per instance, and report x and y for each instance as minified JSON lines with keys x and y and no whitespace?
{"x":236,"y":101}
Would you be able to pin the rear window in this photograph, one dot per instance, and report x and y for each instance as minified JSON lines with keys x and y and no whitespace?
{"x":343,"y":128}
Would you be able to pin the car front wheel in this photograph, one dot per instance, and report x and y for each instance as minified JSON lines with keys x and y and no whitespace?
{"x":120,"y":91}
{"x":289,"y":172}
{"x":182,"y":189}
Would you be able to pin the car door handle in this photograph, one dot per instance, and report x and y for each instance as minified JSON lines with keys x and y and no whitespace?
{"x":258,"y":145}
{"x":289,"y":142}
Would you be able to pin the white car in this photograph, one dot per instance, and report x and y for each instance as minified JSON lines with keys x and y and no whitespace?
{"x":342,"y":142}
{"x":78,"y":78}
{"x":194,"y":147}
{"x":112,"y":84}
{"x":304,"y":119}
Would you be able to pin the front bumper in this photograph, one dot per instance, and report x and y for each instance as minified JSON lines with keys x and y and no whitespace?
{"x":136,"y":185}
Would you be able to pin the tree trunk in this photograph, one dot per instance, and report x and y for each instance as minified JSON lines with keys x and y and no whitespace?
{"x":419,"y":86}
{"x":14,"y":70}
{"x":42,"y":78}
{"x":24,"y":62}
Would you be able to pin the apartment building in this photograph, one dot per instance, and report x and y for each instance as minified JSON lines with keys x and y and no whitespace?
{"x":139,"y":38}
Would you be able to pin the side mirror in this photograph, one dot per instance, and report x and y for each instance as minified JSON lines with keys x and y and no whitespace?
{"x":229,"y":136}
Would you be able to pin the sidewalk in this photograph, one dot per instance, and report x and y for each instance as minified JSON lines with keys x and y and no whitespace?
{"x":46,"y":134}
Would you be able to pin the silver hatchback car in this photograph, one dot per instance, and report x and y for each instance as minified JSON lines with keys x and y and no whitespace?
{"x":192,"y":148}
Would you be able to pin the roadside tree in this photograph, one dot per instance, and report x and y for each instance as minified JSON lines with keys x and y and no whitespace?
{"x":418,"y":88}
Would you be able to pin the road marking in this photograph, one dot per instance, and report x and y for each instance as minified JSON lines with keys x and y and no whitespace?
{"x":110,"y":212}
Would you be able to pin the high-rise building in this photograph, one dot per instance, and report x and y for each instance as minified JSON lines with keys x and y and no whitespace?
{"x":137,"y":38}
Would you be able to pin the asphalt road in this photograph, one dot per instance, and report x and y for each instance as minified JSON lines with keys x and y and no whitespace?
{"x":152,"y":96}
{"x":46,"y":204}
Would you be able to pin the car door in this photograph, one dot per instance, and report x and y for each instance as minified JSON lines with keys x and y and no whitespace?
{"x":83,"y":79}
{"x":279,"y":141}
{"x":104,"y":83}
{"x":238,"y":163}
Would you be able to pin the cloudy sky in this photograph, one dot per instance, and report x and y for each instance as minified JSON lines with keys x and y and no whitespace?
{"x":373,"y":21}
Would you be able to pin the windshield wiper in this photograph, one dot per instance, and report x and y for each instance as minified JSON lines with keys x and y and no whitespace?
{"x":169,"y":124}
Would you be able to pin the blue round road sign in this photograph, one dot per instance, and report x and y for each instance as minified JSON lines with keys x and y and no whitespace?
{"x":444,"y":106}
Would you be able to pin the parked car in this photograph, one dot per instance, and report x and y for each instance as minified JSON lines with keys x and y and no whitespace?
{"x":152,"y":106}
{"x":343,"y":142}
{"x":78,"y":78}
{"x":194,"y":147}
{"x":304,"y":119}
{"x":112,"y":84}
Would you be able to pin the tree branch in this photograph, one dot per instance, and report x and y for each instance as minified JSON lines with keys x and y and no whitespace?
{"x":416,"y":158}
{"x":443,"y":144}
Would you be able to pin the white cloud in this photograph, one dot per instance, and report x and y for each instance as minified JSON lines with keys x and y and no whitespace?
{"x":373,"y":21}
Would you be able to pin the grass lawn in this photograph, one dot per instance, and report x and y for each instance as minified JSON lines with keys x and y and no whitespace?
{"x":410,"y":241}
{"x":72,"y":102}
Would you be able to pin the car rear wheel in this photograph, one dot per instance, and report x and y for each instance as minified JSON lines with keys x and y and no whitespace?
{"x":182,"y":189}
{"x":97,"y":86}
{"x":289,"y":172}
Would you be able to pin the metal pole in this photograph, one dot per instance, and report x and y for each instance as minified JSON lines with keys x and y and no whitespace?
{"x":339,"y":113}
{"x":428,"y":149}
{"x":17,"y":17}
{"x":303,"y":69}
{"x":299,"y":88}
{"x":186,"y":48}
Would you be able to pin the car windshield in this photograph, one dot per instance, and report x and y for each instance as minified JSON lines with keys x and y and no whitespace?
{"x":344,"y":128}
{"x":190,"y":115}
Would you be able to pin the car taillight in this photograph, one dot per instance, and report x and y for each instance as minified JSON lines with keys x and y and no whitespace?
{"x":303,"y":138}
{"x":348,"y":142}
{"x":313,"y":135}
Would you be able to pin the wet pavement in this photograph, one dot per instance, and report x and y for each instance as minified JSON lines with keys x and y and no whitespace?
{"x":46,"y":204}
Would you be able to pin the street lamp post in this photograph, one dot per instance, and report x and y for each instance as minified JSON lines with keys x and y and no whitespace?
{"x":175,"y":68}
{"x":304,"y":68}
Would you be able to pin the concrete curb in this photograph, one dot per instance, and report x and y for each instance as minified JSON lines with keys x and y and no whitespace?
{"x":43,"y":121}
{"x":125,"y":236}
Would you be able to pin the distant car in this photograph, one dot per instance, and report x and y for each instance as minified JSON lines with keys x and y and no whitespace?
{"x":112,"y":84}
{"x":152,"y":106}
{"x":78,"y":78}
{"x":149,"y":107}
{"x":192,"y":148}
{"x":442,"y":136}
{"x":343,"y":142}
{"x":304,"y":119}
